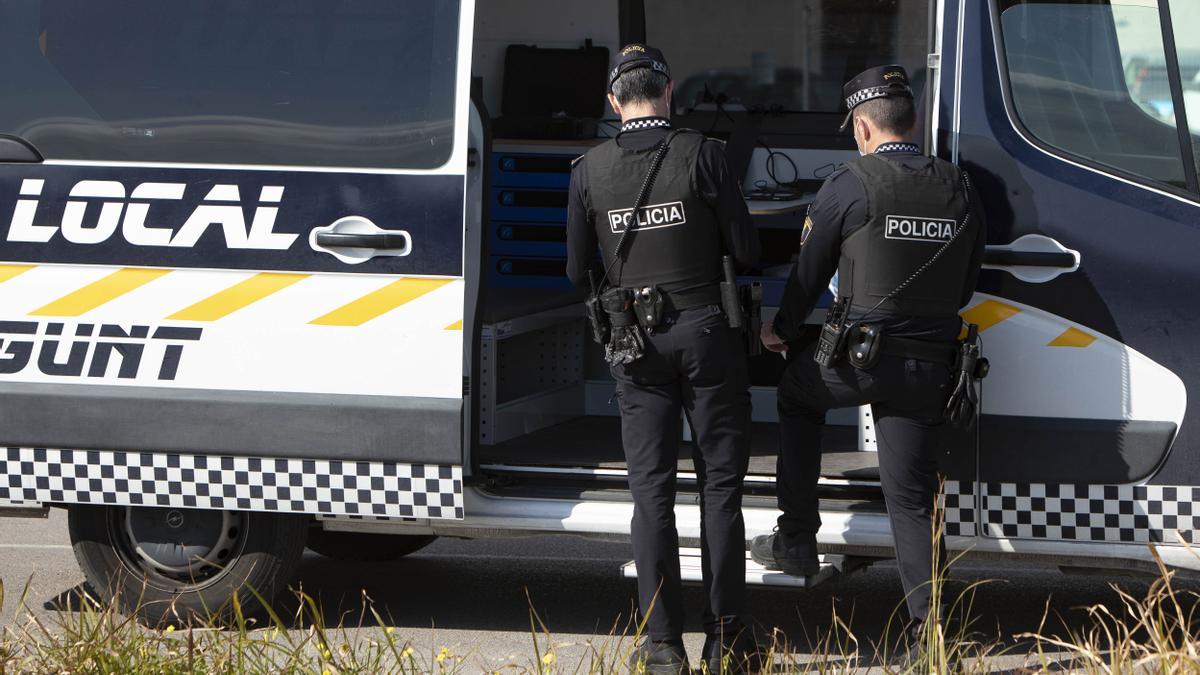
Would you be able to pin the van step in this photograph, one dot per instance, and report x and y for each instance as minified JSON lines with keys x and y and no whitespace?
{"x":756,"y":574}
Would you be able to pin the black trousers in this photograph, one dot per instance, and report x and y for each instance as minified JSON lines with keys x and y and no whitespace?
{"x":694,"y":363}
{"x":907,"y":397}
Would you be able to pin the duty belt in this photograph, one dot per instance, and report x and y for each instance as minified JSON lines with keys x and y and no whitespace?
{"x":922,"y":350}
{"x":690,"y":297}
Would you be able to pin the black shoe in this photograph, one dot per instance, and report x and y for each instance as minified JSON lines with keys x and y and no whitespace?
{"x":739,"y":653}
{"x":792,"y":554}
{"x":659,"y":658}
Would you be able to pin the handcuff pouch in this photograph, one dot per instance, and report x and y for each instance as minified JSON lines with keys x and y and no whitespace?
{"x":864,"y":345}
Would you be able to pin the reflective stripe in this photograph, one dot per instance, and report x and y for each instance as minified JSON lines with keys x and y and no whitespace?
{"x":9,"y":271}
{"x":241,"y":294}
{"x":379,"y":302}
{"x":99,"y":292}
{"x":989,"y":313}
{"x":1072,"y":337}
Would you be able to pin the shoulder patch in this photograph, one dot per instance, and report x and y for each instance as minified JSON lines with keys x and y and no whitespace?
{"x":808,"y":225}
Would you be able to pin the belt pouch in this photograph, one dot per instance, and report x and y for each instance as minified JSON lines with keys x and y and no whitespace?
{"x":648,"y":307}
{"x":864,"y":345}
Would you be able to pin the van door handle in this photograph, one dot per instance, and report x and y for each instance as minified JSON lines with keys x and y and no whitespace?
{"x":1002,"y":257}
{"x":1032,"y":258}
{"x":355,"y":239}
{"x":375,"y":240}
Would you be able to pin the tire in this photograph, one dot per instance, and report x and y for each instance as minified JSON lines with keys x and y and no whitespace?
{"x":183,"y":566}
{"x":366,"y":546}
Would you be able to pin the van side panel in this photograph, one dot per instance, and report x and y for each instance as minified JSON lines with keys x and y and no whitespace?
{"x":238,"y":280}
{"x":237,"y":423}
{"x":1101,"y":357}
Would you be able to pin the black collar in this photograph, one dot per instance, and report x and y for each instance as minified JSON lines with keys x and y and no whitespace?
{"x":641,"y":123}
{"x":898,"y":147}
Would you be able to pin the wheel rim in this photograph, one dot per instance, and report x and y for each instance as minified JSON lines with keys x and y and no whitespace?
{"x":178,"y":548}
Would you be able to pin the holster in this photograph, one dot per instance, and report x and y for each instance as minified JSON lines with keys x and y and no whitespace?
{"x":962,"y":407}
{"x":752,"y":297}
{"x":597,"y":319}
{"x":625,"y":343}
{"x":617,"y":305}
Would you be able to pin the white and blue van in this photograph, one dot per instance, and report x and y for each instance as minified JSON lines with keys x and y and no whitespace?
{"x":270,"y":280}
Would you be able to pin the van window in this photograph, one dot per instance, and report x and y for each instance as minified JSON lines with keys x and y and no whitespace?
{"x":1185,"y":19}
{"x":784,"y":54}
{"x":349,"y":83}
{"x":1090,"y":79}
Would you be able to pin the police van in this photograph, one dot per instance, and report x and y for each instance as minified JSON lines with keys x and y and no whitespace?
{"x":289,"y":274}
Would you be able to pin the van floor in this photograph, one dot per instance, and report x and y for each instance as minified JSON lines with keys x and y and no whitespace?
{"x":595,"y":443}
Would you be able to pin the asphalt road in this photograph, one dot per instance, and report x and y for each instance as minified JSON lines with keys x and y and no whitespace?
{"x":470,"y":596}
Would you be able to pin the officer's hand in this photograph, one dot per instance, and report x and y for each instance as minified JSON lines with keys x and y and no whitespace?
{"x":770,"y":340}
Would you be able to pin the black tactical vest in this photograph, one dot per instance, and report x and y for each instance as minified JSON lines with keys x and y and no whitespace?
{"x":676,"y":243}
{"x":911,"y":213}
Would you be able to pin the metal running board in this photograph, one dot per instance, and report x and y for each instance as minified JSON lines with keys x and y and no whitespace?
{"x":756,"y":574}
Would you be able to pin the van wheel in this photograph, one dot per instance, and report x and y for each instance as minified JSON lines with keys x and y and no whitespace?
{"x":366,"y":546}
{"x":183,"y":566}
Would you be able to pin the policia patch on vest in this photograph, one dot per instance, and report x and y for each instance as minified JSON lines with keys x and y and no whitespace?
{"x":916,"y":228}
{"x":649,"y":218}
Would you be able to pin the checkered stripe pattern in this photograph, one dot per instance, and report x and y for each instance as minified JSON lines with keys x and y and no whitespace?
{"x":898,"y":147}
{"x":381,"y":489}
{"x":650,"y":123}
{"x":864,"y":95}
{"x":1099,"y":513}
{"x":957,"y":503}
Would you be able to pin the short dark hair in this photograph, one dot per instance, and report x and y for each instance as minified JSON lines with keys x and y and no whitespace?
{"x":639,"y":84}
{"x":892,"y":114}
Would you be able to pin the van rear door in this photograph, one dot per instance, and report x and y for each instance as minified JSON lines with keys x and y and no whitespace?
{"x":245,"y":241}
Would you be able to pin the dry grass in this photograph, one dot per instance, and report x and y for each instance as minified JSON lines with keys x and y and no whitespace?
{"x":1156,"y":633}
{"x":1151,"y":634}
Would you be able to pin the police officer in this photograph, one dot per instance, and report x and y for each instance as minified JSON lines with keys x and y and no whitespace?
{"x":693,"y":361}
{"x":876,"y":221}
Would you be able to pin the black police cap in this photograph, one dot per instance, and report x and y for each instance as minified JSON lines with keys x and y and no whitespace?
{"x":636,"y":56}
{"x":873,"y":83}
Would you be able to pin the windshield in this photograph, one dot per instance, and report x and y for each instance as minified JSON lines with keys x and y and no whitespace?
{"x":791,"y":55}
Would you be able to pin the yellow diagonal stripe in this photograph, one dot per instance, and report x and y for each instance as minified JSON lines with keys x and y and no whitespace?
{"x":457,"y":325}
{"x":989,"y":313}
{"x":99,"y":292}
{"x":1072,"y":337}
{"x":237,"y":296}
{"x":9,"y":271}
{"x":379,"y":302}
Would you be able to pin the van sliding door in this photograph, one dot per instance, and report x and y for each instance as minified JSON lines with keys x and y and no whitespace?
{"x":243,"y":249}
{"x":1073,"y":131}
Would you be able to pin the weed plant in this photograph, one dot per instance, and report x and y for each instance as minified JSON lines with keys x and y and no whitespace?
{"x":1152,"y":634}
